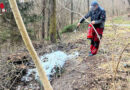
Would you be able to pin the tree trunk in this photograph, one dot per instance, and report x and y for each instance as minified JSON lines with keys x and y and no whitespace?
{"x":113,"y":12}
{"x":52,"y":27}
{"x":43,"y":21}
{"x":72,"y":14}
{"x":47,"y":15}
{"x":129,"y":2}
{"x":88,"y":6}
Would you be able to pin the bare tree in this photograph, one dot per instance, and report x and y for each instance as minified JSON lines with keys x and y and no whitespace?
{"x":72,"y":14}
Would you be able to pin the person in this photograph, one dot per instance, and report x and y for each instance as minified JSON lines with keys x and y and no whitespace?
{"x":98,"y":18}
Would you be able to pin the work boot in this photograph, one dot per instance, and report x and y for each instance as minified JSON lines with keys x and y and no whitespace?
{"x":90,"y":54}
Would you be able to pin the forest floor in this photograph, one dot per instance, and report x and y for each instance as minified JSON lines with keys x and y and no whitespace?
{"x":89,"y":73}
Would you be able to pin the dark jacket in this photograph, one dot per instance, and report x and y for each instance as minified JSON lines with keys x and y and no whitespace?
{"x":99,"y":16}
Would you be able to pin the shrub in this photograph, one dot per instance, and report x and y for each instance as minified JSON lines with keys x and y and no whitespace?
{"x":69,"y":28}
{"x":72,"y":27}
{"x":27,"y":15}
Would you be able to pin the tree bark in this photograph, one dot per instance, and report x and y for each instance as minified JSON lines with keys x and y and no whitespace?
{"x":52,"y":27}
{"x":72,"y":14}
{"x":43,"y":20}
{"x":129,"y":2}
{"x":29,"y":45}
{"x":113,"y":10}
{"x":88,"y":6}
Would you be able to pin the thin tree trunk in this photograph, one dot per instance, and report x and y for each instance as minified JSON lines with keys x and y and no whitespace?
{"x":52,"y":27}
{"x":113,"y":12}
{"x":129,"y":2}
{"x":47,"y":15}
{"x":48,"y":24}
{"x":43,"y":21}
{"x":29,"y":45}
{"x":88,"y":6}
{"x":72,"y":14}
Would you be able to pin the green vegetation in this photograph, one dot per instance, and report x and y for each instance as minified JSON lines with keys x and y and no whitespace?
{"x":72,"y":27}
{"x":120,"y":20}
{"x":69,"y":28}
{"x":4,"y":35}
{"x":10,"y":30}
{"x":107,"y":25}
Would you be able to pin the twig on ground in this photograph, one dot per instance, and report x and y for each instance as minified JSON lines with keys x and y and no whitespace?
{"x":16,"y":79}
{"x":116,"y":69}
{"x":120,"y":57}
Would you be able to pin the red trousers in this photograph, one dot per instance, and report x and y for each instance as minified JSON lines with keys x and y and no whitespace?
{"x":95,"y":41}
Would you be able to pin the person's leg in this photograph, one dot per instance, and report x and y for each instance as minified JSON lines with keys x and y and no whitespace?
{"x":92,"y":44}
{"x":95,"y":42}
{"x":95,"y":47}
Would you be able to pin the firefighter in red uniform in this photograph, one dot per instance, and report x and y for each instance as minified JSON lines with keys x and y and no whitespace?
{"x":98,"y":17}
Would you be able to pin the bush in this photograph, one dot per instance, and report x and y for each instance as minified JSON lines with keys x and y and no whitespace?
{"x":72,"y":27}
{"x":69,"y":28}
{"x":28,"y":17}
{"x":24,"y":9}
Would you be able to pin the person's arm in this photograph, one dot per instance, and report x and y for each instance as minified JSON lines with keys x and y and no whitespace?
{"x":102,"y":18}
{"x":85,"y":17}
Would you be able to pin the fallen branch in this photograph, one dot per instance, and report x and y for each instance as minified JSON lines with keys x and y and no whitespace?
{"x":120,"y":57}
{"x":116,"y":69}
